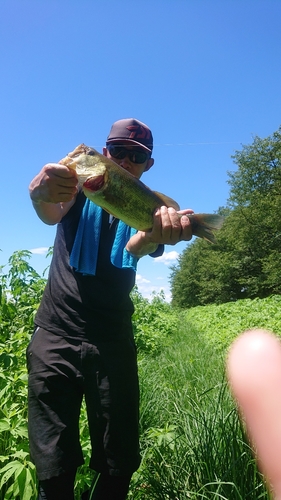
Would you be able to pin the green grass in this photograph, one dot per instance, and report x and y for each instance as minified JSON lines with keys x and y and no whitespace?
{"x":220,"y":324}
{"x":192,"y":443}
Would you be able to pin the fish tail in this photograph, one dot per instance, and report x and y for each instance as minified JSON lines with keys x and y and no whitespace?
{"x":203,"y":225}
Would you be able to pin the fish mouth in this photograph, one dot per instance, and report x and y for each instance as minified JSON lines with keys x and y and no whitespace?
{"x":94,"y":183}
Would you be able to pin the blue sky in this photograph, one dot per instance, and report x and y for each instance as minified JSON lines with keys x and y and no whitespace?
{"x":203,"y":74}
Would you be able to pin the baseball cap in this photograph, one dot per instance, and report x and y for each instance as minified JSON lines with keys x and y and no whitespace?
{"x":131,"y":131}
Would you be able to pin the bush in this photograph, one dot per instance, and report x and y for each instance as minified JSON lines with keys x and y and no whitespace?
{"x":153,"y":322}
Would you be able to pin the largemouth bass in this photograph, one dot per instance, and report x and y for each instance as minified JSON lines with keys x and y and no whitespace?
{"x":125,"y":197}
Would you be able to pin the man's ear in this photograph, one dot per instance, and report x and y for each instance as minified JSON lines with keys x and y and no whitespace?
{"x":149,"y":164}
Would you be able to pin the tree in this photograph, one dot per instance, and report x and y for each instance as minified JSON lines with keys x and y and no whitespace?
{"x":258,"y":172}
{"x":246,"y":261}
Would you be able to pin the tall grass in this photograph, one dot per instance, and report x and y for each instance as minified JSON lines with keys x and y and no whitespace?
{"x":193,"y":444}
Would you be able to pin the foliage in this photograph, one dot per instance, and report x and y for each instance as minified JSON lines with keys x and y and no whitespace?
{"x":202,"y":276}
{"x":221,"y":324}
{"x":245,"y":261}
{"x":20,"y":294}
{"x":258,"y":171}
{"x":192,"y":443}
{"x":153,"y":322}
{"x":21,"y":291}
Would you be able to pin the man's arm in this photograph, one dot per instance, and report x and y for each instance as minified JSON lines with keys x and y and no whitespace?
{"x":53,"y":192}
{"x":168,"y":229}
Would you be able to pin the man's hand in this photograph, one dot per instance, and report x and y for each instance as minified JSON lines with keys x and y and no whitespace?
{"x":53,"y":192}
{"x":168,"y":229}
{"x":54,"y":184}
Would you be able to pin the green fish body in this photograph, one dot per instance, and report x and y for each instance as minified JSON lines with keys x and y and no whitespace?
{"x":125,"y":197}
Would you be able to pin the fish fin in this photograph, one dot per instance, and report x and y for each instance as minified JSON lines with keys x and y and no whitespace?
{"x":203,"y":225}
{"x":169,"y":202}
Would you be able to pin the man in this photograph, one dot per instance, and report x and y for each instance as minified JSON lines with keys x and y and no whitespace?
{"x":83,"y":343}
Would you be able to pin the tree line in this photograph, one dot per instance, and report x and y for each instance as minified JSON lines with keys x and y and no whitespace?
{"x":246,"y":260}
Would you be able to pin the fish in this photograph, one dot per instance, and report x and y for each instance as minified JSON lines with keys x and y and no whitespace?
{"x":127,"y":198}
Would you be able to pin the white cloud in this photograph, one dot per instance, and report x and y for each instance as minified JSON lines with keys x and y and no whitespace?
{"x":168,"y":258}
{"x":140,"y":279}
{"x":39,"y":250}
{"x":147,"y":289}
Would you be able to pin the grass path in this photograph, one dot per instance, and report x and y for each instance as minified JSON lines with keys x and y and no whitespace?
{"x":192,"y":442}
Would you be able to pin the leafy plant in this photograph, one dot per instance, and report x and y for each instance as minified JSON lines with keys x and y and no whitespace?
{"x":21,"y":291}
{"x":153,"y":322}
{"x":192,"y":442}
{"x":220,"y":324}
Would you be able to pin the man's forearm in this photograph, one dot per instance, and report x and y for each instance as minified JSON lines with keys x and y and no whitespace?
{"x":49,"y":213}
{"x":140,"y":245}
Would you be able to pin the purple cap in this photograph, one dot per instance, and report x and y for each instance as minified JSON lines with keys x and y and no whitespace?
{"x":131,"y":131}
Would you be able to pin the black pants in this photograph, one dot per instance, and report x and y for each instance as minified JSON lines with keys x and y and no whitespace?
{"x":107,"y":488}
{"x":61,"y":371}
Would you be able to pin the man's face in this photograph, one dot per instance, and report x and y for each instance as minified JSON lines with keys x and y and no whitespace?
{"x":130,"y":158}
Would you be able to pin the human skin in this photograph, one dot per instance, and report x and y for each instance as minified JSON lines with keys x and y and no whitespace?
{"x":254,"y":374}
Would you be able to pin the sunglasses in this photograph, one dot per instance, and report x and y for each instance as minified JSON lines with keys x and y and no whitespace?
{"x":119,"y":152}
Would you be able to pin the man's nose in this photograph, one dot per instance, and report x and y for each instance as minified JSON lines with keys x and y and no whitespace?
{"x":125,"y":163}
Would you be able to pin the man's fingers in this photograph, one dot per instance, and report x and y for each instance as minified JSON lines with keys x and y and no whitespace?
{"x":186,"y":211}
{"x":186,"y":231}
{"x":170,"y":226}
{"x":59,"y":171}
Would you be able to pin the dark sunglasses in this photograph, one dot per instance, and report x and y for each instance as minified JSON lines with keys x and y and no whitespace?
{"x":119,"y":152}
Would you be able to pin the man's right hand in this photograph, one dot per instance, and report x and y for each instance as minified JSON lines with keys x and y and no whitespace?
{"x":55,"y":183}
{"x":53,"y":192}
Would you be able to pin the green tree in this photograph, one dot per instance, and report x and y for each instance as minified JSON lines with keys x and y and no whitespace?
{"x":246,"y":261}
{"x":258,"y":172}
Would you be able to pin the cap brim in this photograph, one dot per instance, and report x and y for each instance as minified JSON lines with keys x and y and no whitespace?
{"x":129,"y":142}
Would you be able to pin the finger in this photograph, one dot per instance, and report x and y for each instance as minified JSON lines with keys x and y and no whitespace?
{"x":66,"y":182}
{"x":186,"y":229}
{"x":167,"y":227}
{"x":60,"y":178}
{"x":57,"y":183}
{"x":156,"y":232}
{"x":171,"y":225}
{"x":162,"y":225}
{"x":185,"y":211}
{"x":60,"y":171}
{"x":58,"y":194}
{"x":64,"y":197}
{"x":254,"y":373}
{"x":67,"y":191}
